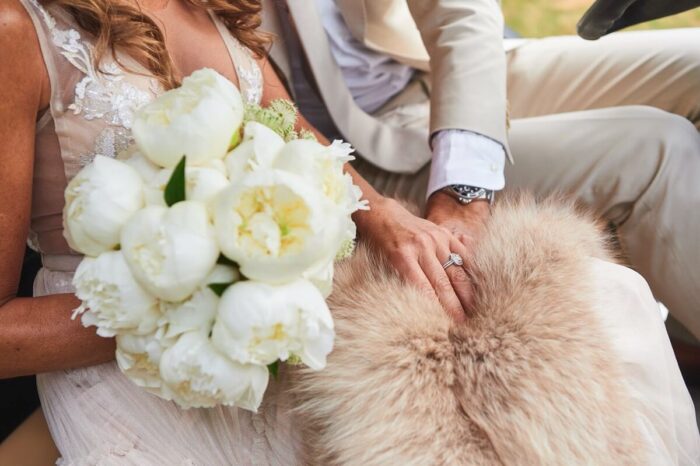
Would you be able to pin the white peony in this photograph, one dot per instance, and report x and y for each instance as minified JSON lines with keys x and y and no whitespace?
{"x":321,"y":276}
{"x":201,"y":184}
{"x":196,"y":375}
{"x":260,"y":323}
{"x":199,"y":311}
{"x":140,"y":163}
{"x":170,"y":250}
{"x":99,"y":201}
{"x":200,"y":119}
{"x":323,"y":167}
{"x":138,"y":357}
{"x":258,"y":150}
{"x":112,"y":299}
{"x":274,"y":226}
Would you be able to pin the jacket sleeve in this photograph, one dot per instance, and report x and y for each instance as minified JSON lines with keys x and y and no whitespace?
{"x":464,"y":39}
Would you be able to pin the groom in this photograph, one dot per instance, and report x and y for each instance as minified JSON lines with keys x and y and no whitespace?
{"x":423,"y":90}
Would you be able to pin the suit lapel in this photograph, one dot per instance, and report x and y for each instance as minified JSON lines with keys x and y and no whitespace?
{"x":386,"y":26}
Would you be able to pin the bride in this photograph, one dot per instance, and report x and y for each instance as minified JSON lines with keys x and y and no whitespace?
{"x":72,"y":73}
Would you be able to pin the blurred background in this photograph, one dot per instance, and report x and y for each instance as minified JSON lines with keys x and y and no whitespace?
{"x":540,"y":18}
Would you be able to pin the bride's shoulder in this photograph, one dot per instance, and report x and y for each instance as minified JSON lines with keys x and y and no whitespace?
{"x":20,"y":52}
{"x":15,"y":22}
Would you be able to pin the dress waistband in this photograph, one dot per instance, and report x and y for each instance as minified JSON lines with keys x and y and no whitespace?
{"x":61,"y":262}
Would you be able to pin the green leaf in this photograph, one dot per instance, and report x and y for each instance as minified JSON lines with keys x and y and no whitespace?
{"x":175,"y":189}
{"x":236,"y":139}
{"x":219,"y":288}
{"x":274,"y":368}
{"x":223,"y":260}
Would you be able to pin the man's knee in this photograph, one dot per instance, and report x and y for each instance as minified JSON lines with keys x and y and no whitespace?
{"x":666,"y":134}
{"x":658,"y":147}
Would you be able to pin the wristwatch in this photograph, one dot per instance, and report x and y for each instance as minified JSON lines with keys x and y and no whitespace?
{"x":467,"y":194}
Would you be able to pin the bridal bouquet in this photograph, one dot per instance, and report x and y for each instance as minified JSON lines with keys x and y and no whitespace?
{"x":209,"y":245}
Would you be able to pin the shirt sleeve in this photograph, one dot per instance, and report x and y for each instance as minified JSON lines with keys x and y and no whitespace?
{"x":467,"y":158}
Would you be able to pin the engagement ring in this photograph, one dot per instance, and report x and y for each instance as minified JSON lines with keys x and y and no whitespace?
{"x":454,"y":259}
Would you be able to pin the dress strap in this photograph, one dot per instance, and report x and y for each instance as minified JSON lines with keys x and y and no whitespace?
{"x":45,"y":26}
{"x":249,"y":75}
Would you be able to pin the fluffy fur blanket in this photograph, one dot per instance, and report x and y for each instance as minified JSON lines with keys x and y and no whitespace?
{"x":528,"y":380}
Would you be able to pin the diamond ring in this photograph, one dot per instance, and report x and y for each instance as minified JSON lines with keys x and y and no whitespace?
{"x":454,"y":259}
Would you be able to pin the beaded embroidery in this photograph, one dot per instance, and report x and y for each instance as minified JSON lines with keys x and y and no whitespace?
{"x":104,"y":94}
{"x":252,"y":76}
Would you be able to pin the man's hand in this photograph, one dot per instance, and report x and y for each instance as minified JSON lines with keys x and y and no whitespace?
{"x":466,"y":223}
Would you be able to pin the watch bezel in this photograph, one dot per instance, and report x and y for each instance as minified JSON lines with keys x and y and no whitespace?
{"x":466,"y":194}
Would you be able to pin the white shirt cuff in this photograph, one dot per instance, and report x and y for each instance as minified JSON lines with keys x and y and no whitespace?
{"x":468,"y":158}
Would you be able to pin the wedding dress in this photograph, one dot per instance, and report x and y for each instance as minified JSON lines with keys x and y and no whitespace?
{"x":98,"y":417}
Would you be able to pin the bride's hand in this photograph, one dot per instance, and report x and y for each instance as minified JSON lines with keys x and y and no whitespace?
{"x":417,"y":248}
{"x":465,"y":222}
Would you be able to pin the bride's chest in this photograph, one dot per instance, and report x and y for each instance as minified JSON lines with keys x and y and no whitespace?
{"x":93,"y":105}
{"x":198,"y":43}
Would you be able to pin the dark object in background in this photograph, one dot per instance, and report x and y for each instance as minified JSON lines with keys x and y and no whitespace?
{"x":606,"y":16}
{"x":18,"y":397}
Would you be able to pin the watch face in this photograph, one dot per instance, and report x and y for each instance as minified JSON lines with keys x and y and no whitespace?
{"x":466,"y":194}
{"x":471,"y":192}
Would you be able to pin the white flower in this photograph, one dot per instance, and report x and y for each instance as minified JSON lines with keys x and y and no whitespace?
{"x":258,"y":150}
{"x":218,"y":165}
{"x":138,"y":357}
{"x":321,"y":276}
{"x":112,"y":299}
{"x":201,"y":184}
{"x":199,"y":119}
{"x":197,"y":312}
{"x":170,"y":251}
{"x":99,"y":201}
{"x":198,"y":376}
{"x":209,"y":79}
{"x":140,"y":163}
{"x":323,"y":167}
{"x":260,"y":323}
{"x":274,"y":226}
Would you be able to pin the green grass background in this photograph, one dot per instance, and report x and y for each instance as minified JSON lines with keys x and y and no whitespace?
{"x":539,"y":18}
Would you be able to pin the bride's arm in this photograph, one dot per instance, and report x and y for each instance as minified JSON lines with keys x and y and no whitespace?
{"x":36,"y":334}
{"x":416,"y":247}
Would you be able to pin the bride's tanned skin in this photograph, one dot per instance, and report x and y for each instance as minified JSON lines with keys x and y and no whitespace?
{"x":37,"y":334}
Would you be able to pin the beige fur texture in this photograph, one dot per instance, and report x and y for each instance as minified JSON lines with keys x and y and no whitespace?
{"x":529,"y":380}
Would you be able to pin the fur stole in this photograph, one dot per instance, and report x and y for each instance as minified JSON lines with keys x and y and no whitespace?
{"x":529,"y":380}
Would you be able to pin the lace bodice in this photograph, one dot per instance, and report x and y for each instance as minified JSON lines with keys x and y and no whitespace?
{"x":91,"y":111}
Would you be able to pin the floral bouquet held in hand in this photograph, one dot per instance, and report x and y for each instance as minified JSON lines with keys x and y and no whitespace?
{"x":209,"y":245}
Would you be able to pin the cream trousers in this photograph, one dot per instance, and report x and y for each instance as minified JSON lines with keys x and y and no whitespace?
{"x":615,"y":123}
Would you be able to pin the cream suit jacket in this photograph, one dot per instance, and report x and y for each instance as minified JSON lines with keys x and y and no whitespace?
{"x":458,"y":41}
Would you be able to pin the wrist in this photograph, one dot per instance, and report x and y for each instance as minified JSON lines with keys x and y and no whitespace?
{"x":441,"y":206}
{"x":378,"y":206}
{"x":466,"y":194}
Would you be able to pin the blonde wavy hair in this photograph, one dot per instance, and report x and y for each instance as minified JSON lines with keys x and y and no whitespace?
{"x":119,"y":25}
